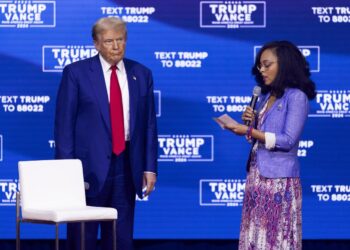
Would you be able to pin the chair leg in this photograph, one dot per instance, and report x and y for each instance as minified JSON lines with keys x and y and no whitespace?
{"x":82,"y":236}
{"x":18,"y":221}
{"x":57,"y":239}
{"x":115,"y":234}
{"x":18,"y":246}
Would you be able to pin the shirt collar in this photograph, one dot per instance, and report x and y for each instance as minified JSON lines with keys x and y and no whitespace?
{"x":106,"y":66}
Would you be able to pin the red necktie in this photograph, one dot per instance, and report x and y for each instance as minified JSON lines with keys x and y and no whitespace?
{"x":116,"y":113}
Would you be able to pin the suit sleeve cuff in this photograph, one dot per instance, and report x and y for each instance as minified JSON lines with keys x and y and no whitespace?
{"x":150,"y":172}
{"x":270,"y":140}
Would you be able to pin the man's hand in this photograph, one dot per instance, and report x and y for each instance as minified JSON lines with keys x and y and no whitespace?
{"x":149,"y":180}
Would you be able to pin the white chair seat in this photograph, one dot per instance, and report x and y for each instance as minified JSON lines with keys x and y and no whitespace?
{"x":53,"y":192}
{"x":70,"y":214}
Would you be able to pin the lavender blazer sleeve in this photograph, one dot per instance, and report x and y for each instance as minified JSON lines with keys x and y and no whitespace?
{"x":286,"y":120}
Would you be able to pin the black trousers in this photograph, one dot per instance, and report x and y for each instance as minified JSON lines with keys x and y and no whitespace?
{"x":118,"y":192}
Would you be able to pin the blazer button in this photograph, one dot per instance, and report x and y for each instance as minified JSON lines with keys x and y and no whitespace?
{"x":108,"y":157}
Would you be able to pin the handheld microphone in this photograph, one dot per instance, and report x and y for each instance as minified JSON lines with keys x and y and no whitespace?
{"x":255,"y":96}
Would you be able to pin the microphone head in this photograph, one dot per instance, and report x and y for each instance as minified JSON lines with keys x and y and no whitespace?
{"x":256,"y":91}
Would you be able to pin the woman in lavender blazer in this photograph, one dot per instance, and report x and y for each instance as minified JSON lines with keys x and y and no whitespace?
{"x":271,"y":216}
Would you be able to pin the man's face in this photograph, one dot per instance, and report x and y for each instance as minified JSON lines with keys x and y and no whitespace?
{"x":111,"y":45}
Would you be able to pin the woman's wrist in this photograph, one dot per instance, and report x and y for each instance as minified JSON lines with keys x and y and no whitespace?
{"x":249,"y":132}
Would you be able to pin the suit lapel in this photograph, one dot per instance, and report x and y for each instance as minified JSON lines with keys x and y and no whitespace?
{"x":99,"y":87}
{"x":276,"y":104}
{"x":133,"y":85}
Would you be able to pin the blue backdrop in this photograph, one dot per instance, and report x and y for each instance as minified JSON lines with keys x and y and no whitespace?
{"x":201,"y":53}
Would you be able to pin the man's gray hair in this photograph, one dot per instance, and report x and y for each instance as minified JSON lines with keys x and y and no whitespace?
{"x":108,"y":23}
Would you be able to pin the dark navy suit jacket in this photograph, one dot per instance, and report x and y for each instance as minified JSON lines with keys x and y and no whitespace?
{"x":82,"y":124}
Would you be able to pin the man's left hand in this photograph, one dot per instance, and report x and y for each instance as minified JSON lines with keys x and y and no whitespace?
{"x":149,"y":180}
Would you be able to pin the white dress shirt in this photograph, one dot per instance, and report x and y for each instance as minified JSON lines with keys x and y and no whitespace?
{"x":124,"y":87}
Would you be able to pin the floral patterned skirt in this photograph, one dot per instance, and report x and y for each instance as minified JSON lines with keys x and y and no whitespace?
{"x":271,"y":214}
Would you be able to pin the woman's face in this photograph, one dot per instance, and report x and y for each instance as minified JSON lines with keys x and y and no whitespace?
{"x":268,"y":66}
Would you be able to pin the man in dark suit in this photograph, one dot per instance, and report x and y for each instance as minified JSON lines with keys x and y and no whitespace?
{"x":105,"y":116}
